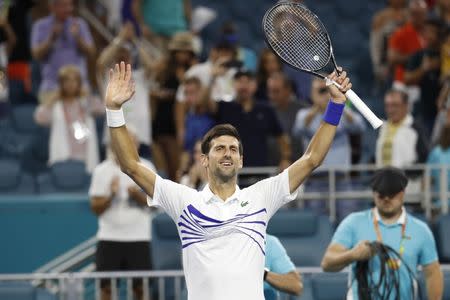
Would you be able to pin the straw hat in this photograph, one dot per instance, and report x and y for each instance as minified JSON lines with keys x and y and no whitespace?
{"x":181,"y":41}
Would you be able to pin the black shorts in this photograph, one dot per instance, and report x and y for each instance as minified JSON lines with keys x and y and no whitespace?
{"x":122,"y":256}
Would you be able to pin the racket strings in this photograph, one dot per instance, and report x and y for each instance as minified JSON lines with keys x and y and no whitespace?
{"x":297,"y":36}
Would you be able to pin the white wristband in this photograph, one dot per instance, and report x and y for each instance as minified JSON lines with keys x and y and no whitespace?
{"x":115,"y":118}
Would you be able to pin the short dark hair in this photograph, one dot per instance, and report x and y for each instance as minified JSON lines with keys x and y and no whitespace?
{"x":217,"y":131}
{"x":287,"y":82}
{"x":244,"y":73}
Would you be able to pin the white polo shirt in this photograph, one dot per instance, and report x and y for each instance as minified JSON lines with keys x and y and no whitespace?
{"x":124,"y":220}
{"x":223,"y":242}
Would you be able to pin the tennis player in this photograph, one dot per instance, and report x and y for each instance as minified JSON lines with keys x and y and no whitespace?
{"x":222,"y":228}
{"x":390,"y":224}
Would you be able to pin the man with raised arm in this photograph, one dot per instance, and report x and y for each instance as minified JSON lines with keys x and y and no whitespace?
{"x":222,"y":228}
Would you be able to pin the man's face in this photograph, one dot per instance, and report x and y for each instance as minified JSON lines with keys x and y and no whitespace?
{"x":223,"y":160}
{"x":396,"y":109}
{"x":277,"y":91}
{"x":63,"y":9}
{"x":430,"y":35}
{"x":192,"y":93}
{"x":245,"y":87}
{"x":389,"y":206}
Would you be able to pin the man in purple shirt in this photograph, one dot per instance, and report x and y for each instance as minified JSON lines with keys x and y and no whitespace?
{"x":58,"y":40}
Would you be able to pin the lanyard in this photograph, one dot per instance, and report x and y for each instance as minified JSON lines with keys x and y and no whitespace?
{"x":392,"y":264}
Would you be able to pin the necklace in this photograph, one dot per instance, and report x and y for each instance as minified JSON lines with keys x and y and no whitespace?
{"x":393,"y":263}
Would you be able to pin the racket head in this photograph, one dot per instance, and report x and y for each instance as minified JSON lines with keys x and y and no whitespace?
{"x":298,"y":37}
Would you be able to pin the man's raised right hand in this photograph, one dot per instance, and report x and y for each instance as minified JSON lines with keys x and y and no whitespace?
{"x":120,"y":87}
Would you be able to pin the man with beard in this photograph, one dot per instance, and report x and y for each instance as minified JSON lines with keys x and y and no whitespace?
{"x":222,"y":228}
{"x":390,"y":224}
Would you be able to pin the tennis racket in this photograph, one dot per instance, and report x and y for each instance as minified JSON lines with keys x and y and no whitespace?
{"x":298,"y":37}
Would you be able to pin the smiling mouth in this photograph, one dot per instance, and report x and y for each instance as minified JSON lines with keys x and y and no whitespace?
{"x":226,"y":164}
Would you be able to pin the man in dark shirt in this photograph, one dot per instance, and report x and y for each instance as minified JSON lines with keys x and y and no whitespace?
{"x":423,"y":70}
{"x":255,"y":122}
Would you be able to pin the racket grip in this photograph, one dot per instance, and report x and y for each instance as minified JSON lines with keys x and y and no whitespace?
{"x":363,"y":109}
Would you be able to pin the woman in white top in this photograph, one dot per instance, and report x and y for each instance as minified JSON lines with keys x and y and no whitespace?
{"x":70,"y":117}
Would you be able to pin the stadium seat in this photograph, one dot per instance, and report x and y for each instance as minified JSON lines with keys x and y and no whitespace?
{"x":43,"y":294}
{"x":165,"y":249}
{"x":441,"y":234}
{"x":304,"y":235}
{"x":343,"y":47}
{"x":346,"y":11}
{"x":166,"y":246}
{"x":13,"y":180}
{"x":329,"y":286}
{"x":64,"y":177}
{"x":22,"y":119}
{"x":35,"y":155}
{"x":17,"y":291}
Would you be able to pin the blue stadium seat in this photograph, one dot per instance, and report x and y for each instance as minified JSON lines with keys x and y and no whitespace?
{"x":441,"y":234}
{"x":35,"y":155}
{"x":43,"y":294}
{"x":329,"y":286}
{"x":347,"y":40}
{"x":17,"y":291}
{"x":347,"y":11}
{"x":166,"y":246}
{"x":304,"y":235}
{"x":64,"y":177}
{"x":327,"y":15}
{"x":13,"y":181}
{"x":22,"y":119}
{"x":166,"y":249}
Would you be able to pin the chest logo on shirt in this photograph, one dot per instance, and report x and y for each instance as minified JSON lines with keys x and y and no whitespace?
{"x":195,"y":227}
{"x":243,"y":204}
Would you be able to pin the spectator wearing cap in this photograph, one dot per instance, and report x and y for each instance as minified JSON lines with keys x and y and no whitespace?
{"x":58,"y":40}
{"x":255,"y":121}
{"x":169,"y":73}
{"x":390,"y":224}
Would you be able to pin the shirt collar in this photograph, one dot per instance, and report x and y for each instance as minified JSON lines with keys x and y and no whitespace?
{"x":401,"y":220}
{"x":208,"y":195}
